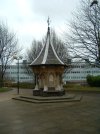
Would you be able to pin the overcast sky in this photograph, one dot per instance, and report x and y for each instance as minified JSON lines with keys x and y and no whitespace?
{"x":28,"y":18}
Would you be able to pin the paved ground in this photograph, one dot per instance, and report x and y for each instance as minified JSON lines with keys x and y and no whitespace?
{"x":62,"y":118}
{"x":10,"y":94}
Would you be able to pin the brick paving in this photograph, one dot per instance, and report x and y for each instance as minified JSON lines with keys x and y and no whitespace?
{"x":18,"y":117}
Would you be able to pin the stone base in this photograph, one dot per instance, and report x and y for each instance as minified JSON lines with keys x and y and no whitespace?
{"x":48,"y":93}
{"x":53,"y":99}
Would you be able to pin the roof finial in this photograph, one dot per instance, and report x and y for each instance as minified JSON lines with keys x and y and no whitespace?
{"x":48,"y":21}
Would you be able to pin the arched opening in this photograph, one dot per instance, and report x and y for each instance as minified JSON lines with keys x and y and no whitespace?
{"x":51,"y":80}
{"x":41,"y":81}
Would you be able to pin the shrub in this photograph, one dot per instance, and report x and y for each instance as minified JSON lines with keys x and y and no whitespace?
{"x":93,"y":81}
{"x":26,"y":85}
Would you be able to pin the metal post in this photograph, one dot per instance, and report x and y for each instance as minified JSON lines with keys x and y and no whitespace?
{"x":17,"y":58}
{"x":18,"y":78}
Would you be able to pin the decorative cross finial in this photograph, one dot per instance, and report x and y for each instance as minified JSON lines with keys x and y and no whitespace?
{"x":48,"y":21}
{"x":94,"y":2}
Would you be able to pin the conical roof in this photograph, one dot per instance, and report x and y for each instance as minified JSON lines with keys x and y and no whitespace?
{"x":48,"y":55}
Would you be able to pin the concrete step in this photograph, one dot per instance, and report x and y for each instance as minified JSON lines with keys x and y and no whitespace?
{"x":76,"y":98}
{"x":67,"y":96}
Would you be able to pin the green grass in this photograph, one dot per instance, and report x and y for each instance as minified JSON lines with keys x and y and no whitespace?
{"x":76,"y":87}
{"x":4,"y":89}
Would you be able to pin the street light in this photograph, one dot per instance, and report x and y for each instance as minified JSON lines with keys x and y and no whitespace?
{"x":17,"y":58}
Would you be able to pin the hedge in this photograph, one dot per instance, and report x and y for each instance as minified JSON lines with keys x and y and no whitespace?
{"x":21,"y":85}
{"x":93,"y":81}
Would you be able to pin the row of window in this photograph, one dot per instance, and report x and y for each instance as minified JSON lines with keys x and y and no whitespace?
{"x":83,"y":66}
{"x":24,"y":77}
{"x":17,"y":72}
{"x":74,"y":77}
{"x":15,"y":67}
{"x":72,"y":72}
{"x":84,"y":71}
{"x":73,"y":66}
{"x":15,"y":78}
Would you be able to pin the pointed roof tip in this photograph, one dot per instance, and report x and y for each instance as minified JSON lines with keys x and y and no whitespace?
{"x":48,"y":21}
{"x":94,"y":2}
{"x":48,"y":55}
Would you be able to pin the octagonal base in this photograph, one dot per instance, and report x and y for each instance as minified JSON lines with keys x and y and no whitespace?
{"x":48,"y":93}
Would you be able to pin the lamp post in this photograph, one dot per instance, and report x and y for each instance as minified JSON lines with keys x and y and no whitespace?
{"x":17,"y":58}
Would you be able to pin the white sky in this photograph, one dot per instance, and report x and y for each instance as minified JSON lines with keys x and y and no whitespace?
{"x":28,"y":18}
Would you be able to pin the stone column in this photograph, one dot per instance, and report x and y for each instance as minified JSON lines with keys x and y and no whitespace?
{"x":45,"y":83}
{"x":36,"y":82}
{"x":61,"y":83}
{"x":58,"y":86}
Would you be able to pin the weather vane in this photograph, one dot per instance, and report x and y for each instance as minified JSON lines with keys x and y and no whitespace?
{"x":48,"y":21}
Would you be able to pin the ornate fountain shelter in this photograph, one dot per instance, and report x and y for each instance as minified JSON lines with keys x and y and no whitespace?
{"x":48,"y":69}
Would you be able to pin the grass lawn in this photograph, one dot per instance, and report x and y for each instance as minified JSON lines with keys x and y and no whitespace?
{"x":76,"y":87}
{"x":4,"y":89}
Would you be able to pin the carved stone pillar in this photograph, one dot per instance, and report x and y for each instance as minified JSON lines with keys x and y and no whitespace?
{"x":36,"y":82}
{"x":58,"y":86}
{"x":45,"y":83}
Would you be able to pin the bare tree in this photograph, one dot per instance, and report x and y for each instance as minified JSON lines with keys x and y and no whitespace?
{"x":34,"y":50}
{"x":83,"y":41}
{"x":8,"y":47}
{"x":59,"y":46}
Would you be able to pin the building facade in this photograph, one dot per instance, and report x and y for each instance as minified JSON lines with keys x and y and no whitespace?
{"x":25,"y":73}
{"x":79,"y":71}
